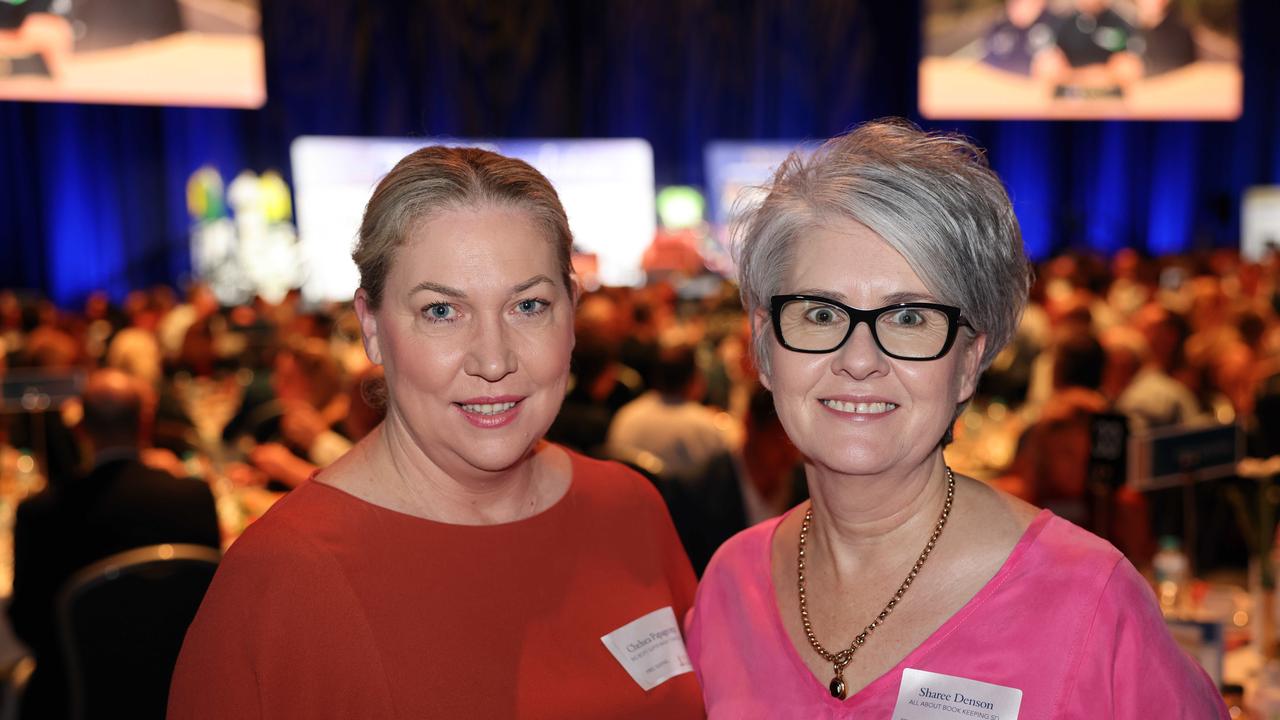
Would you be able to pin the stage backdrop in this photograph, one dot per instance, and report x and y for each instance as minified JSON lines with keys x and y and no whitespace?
{"x":94,"y":196}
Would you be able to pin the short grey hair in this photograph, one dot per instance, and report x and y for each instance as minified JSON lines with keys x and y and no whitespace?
{"x":932,"y":197}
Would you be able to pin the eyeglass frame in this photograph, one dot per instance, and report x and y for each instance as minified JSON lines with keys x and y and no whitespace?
{"x":955,"y":320}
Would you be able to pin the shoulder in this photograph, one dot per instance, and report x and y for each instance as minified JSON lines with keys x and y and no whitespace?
{"x":132,"y":478}
{"x":288,"y":540}
{"x":1068,"y":545}
{"x":643,"y":403}
{"x":1129,"y":664}
{"x":282,"y":630}
{"x":161,"y":482}
{"x":1072,"y":566}
{"x":282,"y":573}
{"x":611,"y":482}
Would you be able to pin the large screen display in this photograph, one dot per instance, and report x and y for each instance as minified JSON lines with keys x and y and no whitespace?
{"x":737,"y":172}
{"x":1081,"y":59}
{"x":606,"y":186}
{"x":140,"y":52}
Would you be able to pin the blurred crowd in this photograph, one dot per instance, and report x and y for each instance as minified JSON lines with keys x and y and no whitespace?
{"x":264,"y":394}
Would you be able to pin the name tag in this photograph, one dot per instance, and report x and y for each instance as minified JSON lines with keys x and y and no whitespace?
{"x":650,"y":648}
{"x":925,"y":695}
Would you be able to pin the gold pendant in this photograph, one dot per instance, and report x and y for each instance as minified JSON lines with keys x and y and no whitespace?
{"x":837,"y":687}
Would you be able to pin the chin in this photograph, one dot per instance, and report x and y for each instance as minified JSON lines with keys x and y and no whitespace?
{"x":849,"y":458}
{"x":494,"y":460}
{"x":500,"y":453}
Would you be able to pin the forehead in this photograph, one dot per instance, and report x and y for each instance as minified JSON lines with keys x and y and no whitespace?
{"x":846,"y":257}
{"x":469,"y":245}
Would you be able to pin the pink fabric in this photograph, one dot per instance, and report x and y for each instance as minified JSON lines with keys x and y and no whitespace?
{"x":1067,"y":620}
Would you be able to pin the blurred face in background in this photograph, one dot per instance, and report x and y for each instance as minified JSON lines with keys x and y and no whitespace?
{"x":1023,"y":13}
{"x":1151,"y":12}
{"x":474,"y":332}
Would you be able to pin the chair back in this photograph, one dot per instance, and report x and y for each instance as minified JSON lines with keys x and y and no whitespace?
{"x":121,"y":622}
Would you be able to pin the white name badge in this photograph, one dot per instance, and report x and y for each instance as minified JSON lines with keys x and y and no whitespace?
{"x":650,"y":648}
{"x":925,"y":695}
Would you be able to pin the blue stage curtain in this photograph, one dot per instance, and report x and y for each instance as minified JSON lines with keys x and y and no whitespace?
{"x":94,"y":196}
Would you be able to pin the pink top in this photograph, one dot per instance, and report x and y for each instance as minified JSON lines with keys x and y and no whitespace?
{"x":1066,"y":619}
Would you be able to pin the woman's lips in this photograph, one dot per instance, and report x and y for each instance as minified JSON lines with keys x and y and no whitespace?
{"x":859,"y":408}
{"x":490,"y":412}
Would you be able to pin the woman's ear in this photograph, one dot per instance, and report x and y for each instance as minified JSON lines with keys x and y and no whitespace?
{"x":368,"y":327}
{"x":575,"y":295}
{"x":971,"y":367}
{"x":759,"y":324}
{"x":575,"y":288}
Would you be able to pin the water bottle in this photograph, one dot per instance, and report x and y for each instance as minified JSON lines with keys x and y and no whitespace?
{"x":1172,"y":571}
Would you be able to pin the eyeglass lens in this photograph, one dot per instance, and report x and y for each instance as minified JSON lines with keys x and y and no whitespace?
{"x":912,"y":332}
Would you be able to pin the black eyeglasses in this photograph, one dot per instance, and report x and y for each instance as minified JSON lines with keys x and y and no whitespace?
{"x":906,"y":331}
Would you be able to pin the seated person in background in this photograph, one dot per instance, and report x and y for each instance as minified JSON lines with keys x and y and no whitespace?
{"x":1052,"y":461}
{"x":304,"y":427}
{"x":738,"y":488}
{"x":51,"y":353}
{"x":136,"y":351}
{"x":297,"y":427}
{"x":1126,"y":350}
{"x":119,"y":505}
{"x":668,"y":423}
{"x":597,"y":385}
{"x":1154,"y":397}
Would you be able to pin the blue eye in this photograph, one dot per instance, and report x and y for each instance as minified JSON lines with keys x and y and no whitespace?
{"x":531,"y":306}
{"x":440,"y":312}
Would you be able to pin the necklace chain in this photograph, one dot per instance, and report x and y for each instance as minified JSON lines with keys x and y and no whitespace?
{"x":841,"y":659}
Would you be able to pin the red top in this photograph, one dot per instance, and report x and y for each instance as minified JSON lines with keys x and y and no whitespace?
{"x":331,"y":607}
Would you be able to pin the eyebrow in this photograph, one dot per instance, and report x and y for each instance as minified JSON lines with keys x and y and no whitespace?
{"x":437,"y":287}
{"x":535,"y":280}
{"x":456,"y":293}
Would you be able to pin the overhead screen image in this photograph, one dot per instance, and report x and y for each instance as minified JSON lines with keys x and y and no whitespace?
{"x":606,"y":186}
{"x":1081,"y":59}
{"x":140,"y":52}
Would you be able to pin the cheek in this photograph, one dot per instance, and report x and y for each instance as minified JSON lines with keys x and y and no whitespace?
{"x":419,"y":363}
{"x":794,"y":374}
{"x":549,"y":356}
{"x":792,"y":381}
{"x":544,"y":352}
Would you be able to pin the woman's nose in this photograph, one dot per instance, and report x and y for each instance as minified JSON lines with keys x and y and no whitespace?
{"x":491,"y":355}
{"x":860,"y":356}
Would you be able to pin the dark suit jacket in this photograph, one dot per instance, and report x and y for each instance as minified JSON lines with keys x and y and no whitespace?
{"x":120,"y":505}
{"x":707,"y":506}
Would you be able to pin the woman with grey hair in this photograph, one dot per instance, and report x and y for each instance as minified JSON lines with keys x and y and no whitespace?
{"x":882,"y":275}
{"x":453,"y":564}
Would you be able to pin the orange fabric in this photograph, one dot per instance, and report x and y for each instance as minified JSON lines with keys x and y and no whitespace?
{"x":330,"y":607}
